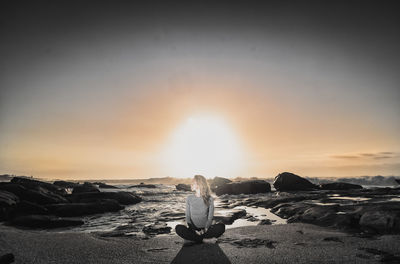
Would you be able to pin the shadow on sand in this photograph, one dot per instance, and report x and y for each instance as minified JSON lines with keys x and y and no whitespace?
{"x":201,"y":253}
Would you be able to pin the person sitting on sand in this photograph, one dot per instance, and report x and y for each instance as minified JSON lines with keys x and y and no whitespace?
{"x":199,"y":214}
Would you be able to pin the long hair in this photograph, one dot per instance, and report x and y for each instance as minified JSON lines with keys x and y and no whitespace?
{"x":202,"y":184}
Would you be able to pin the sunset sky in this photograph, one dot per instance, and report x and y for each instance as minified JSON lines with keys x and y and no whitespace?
{"x":119,"y":91}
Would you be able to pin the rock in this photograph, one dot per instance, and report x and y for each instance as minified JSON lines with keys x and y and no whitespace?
{"x":229,"y":217}
{"x":287,"y":181}
{"x":124,"y":198}
{"x":244,"y":187}
{"x":38,"y":185}
{"x":340,"y":186}
{"x":26,"y":207}
{"x":157,"y":228}
{"x":265,"y":222}
{"x":142,"y":185}
{"x":44,"y":221}
{"x":105,"y":186}
{"x":39,"y":195}
{"x":80,"y":209}
{"x":85,"y":188}
{"x":7,"y":258}
{"x":218,"y":181}
{"x":65,"y":184}
{"x":381,"y":220}
{"x":397,"y":180}
{"x":8,"y":202}
{"x":183,"y":187}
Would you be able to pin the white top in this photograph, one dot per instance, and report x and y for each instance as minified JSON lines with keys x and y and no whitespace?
{"x":198,"y":213}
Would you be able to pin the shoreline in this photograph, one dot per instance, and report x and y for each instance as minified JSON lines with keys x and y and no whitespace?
{"x":296,"y":242}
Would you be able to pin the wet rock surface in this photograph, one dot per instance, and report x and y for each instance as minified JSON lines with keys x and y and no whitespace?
{"x":183,"y":187}
{"x":157,"y":228}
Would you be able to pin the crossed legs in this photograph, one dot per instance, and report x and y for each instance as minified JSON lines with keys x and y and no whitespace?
{"x":188,"y":233}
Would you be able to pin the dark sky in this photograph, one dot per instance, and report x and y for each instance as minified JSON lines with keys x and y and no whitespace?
{"x":336,"y":60}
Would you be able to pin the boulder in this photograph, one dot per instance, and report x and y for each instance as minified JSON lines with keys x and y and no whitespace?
{"x":8,"y":202}
{"x":65,"y":184}
{"x":382,"y":221}
{"x":124,"y":198}
{"x":85,"y":188}
{"x":80,"y":209}
{"x":218,"y":181}
{"x":244,"y":187}
{"x":39,"y":195}
{"x":44,"y":221}
{"x":38,"y":185}
{"x":287,"y":181}
{"x":183,"y":187}
{"x":340,"y":186}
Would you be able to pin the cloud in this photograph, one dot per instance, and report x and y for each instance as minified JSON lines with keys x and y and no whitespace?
{"x":376,"y":156}
{"x":345,"y":157}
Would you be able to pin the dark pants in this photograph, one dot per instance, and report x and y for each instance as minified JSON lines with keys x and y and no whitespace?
{"x":189,"y":233}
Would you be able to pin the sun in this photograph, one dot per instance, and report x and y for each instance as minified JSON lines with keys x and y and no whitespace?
{"x":203,"y":145}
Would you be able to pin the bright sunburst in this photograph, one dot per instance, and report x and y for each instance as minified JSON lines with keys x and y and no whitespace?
{"x":203,"y":145}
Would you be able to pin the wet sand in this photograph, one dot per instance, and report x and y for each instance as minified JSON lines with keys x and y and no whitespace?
{"x":300,"y":243}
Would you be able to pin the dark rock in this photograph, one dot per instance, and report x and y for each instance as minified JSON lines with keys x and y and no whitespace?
{"x":183,"y":187}
{"x":85,"y":188}
{"x":38,"y":185}
{"x":265,"y":222}
{"x":65,"y":184}
{"x":397,"y":180}
{"x":143,"y":186}
{"x":8,"y":202}
{"x":244,"y":187}
{"x":229,"y":217}
{"x":218,"y":181}
{"x":80,"y":209}
{"x":26,"y":207}
{"x":383,"y":221}
{"x":7,"y":258}
{"x":105,"y":186}
{"x":124,"y":198}
{"x":157,"y":228}
{"x":44,"y":221}
{"x":333,"y":239}
{"x":287,"y":181}
{"x":39,"y":195}
{"x":340,"y":186}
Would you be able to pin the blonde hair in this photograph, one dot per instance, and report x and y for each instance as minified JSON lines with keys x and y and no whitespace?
{"x":202,"y":184}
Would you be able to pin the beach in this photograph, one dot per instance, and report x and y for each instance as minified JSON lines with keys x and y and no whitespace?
{"x":291,"y":243}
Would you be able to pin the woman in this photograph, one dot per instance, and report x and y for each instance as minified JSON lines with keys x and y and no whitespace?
{"x":199,"y":214}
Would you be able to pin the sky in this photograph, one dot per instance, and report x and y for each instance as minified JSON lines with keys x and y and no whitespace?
{"x":117,"y":90}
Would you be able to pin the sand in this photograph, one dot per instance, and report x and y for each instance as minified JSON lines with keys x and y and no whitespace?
{"x":300,"y":243}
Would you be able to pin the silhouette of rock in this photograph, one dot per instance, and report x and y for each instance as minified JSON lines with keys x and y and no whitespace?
{"x":7,"y":258}
{"x":142,"y":185}
{"x":37,"y":195}
{"x":65,"y":184}
{"x":340,"y":186}
{"x":105,"y":186}
{"x":287,"y":181}
{"x":7,"y":203}
{"x":44,"y":221}
{"x":218,"y":181}
{"x":38,"y":185}
{"x":157,"y":228}
{"x":183,"y":187}
{"x":229,"y":217}
{"x":29,"y":208}
{"x":244,"y":187}
{"x":85,"y":188}
{"x":80,"y":209}
{"x":124,"y":198}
